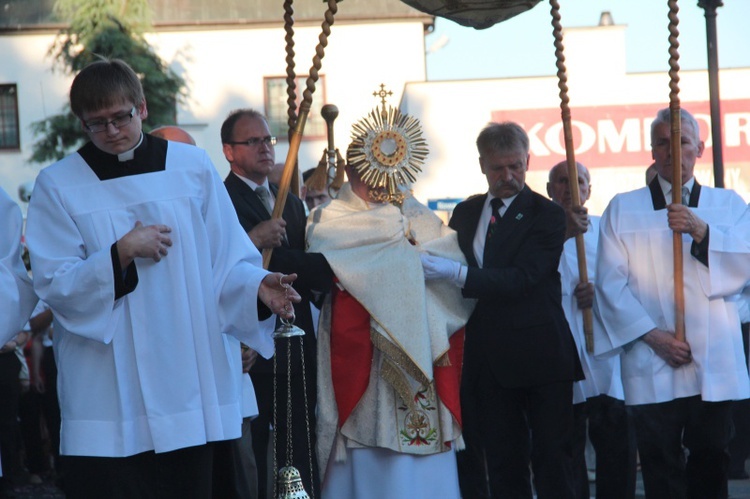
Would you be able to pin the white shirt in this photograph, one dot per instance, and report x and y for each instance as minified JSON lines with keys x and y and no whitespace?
{"x":666,"y":187}
{"x":480,"y":235}
{"x":253,"y":186}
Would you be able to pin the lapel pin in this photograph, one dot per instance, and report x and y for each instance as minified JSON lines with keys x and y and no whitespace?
{"x":519,"y":216}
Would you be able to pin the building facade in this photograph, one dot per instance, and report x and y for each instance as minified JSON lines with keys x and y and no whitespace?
{"x":611,"y":114}
{"x":232,"y":55}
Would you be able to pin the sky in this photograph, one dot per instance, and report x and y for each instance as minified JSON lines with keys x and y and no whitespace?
{"x":524,"y":45}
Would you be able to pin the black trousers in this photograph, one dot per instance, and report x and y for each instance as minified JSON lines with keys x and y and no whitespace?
{"x":10,"y":393}
{"x":471,"y":462}
{"x":703,"y":428}
{"x":37,"y":408}
{"x":739,"y":447}
{"x":183,"y":473}
{"x":612,"y":434}
{"x":518,"y":426}
{"x":235,"y":470}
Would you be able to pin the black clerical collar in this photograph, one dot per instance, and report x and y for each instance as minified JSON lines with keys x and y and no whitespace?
{"x":149,"y":156}
{"x":659,"y":201}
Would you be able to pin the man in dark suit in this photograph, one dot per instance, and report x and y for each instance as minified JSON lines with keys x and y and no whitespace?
{"x":520,"y":358}
{"x":248,"y":146}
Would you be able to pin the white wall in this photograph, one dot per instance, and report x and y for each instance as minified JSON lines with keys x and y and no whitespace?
{"x":453,"y":113}
{"x":224,"y":70}
{"x":41,"y":93}
{"x":353,"y":70}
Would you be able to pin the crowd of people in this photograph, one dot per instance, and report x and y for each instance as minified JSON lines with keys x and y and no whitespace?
{"x":433,"y":360}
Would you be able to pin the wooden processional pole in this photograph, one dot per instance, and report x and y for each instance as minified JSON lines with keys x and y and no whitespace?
{"x":588,"y":318}
{"x":676,"y":144}
{"x":295,"y":139}
{"x":291,"y":85}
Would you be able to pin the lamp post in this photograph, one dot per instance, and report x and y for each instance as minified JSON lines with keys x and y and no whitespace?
{"x":713,"y":87}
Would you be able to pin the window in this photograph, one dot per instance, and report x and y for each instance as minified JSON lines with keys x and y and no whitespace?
{"x":9,"y":138}
{"x":276,"y":107}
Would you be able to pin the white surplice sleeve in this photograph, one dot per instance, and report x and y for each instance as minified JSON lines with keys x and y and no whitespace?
{"x":74,"y":219}
{"x":18,"y":298}
{"x":77,"y":285}
{"x":623,"y":316}
{"x":728,"y":269}
{"x":237,"y":269}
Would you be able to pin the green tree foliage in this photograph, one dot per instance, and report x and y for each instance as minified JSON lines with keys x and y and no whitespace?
{"x":111,"y":29}
{"x":89,"y":17}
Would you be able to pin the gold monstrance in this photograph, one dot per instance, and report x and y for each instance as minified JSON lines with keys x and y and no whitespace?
{"x":387,"y":149}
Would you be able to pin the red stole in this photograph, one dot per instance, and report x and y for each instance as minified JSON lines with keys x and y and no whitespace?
{"x":351,"y":358}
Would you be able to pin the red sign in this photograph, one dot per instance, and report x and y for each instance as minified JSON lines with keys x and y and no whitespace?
{"x":619,"y":135}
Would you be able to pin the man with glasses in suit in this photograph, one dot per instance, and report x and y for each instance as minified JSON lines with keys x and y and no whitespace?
{"x":248,"y":147}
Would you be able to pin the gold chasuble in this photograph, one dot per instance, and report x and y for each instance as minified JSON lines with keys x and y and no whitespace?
{"x":389,"y":364}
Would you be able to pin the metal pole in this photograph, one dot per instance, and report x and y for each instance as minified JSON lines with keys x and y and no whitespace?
{"x":710,"y":7}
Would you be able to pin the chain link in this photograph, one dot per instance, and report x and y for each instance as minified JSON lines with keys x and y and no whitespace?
{"x":275,"y":426}
{"x":307,"y":416}
{"x":289,"y":446}
{"x":289,"y":450}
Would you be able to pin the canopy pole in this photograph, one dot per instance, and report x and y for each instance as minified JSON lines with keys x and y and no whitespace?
{"x":676,"y":143}
{"x":291,"y":84}
{"x":290,"y":166}
{"x":588,"y":318}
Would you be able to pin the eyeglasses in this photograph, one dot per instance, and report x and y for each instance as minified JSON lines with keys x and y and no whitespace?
{"x":255,"y":141}
{"x":118,"y":122}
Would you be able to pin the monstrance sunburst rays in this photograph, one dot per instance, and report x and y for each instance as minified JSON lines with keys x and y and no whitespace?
{"x":388,"y":150}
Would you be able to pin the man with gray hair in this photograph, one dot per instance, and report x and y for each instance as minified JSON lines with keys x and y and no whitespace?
{"x":680,"y":390}
{"x":598,"y":406}
{"x":520,"y":358}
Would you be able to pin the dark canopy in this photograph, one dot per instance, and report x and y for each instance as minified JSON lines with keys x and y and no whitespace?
{"x":479,"y":14}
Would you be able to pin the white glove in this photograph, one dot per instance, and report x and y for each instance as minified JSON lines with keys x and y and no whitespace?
{"x":436,"y":267}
